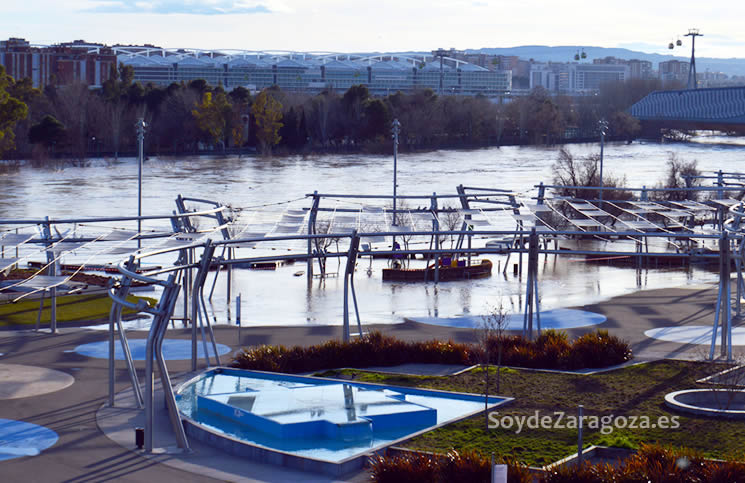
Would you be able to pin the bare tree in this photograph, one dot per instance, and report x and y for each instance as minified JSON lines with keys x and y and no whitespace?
{"x":680,"y":174}
{"x":493,"y":326}
{"x":450,"y":217}
{"x":323,"y":244}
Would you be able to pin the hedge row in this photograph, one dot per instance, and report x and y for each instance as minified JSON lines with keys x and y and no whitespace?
{"x":652,"y":463}
{"x":467,"y":466}
{"x":551,"y":350}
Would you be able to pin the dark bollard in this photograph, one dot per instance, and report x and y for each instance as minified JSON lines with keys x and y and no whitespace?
{"x":140,"y":437}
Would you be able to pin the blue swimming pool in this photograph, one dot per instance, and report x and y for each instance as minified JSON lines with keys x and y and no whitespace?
{"x":316,"y":424}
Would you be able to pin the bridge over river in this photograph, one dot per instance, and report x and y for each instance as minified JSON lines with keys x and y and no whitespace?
{"x":720,"y":109}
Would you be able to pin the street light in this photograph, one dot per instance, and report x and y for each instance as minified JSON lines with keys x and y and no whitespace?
{"x":603,"y":128}
{"x":140,"y":125}
{"x":396,"y":129}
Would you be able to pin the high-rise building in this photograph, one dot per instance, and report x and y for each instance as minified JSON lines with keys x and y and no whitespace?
{"x":60,"y":64}
{"x":674,"y":70}
{"x":573,"y":78}
{"x":638,"y":69}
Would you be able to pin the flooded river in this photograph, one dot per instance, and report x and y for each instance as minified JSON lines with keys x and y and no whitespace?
{"x":277,"y":297}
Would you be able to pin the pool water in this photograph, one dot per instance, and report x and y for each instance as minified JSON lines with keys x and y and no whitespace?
{"x":321,"y":419}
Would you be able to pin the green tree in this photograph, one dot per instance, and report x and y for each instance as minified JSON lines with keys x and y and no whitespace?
{"x":12,"y":110}
{"x":38,"y":105}
{"x":240,"y":95}
{"x":624,"y":125}
{"x":212,"y":116}
{"x":49,"y":131}
{"x":267,"y":111}
{"x":353,"y":102}
{"x":377,"y":120}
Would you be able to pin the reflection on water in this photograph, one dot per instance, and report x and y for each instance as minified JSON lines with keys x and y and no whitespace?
{"x":110,"y":188}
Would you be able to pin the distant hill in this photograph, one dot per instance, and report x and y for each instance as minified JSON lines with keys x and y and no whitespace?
{"x":543,"y":53}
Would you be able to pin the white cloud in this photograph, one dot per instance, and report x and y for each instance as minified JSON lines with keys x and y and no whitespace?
{"x":379,"y":25}
{"x":190,"y":7}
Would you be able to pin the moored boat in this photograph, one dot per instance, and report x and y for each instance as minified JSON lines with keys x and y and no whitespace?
{"x":446,"y":273}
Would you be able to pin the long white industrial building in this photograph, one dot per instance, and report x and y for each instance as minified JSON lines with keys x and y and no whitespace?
{"x":315,"y":71}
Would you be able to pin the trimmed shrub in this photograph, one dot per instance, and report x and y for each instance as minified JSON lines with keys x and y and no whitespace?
{"x":408,"y":468}
{"x":598,"y":349}
{"x":374,"y":349}
{"x":585,"y":473}
{"x":653,"y":463}
{"x":469,"y":466}
{"x":551,"y":350}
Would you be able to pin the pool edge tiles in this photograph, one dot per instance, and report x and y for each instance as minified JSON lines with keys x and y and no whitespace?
{"x":326,"y":456}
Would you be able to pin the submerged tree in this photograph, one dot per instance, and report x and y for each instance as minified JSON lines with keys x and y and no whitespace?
{"x":680,"y":174}
{"x":48,"y":132}
{"x":267,"y":111}
{"x":212,"y":116}
{"x":577,"y":177}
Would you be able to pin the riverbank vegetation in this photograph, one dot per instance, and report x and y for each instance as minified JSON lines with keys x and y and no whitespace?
{"x":74,"y":121}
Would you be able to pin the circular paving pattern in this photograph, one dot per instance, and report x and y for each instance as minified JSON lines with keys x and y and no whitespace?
{"x":550,"y":319}
{"x":173,"y":349}
{"x":18,"y":439}
{"x":17,"y":381}
{"x":694,"y":334}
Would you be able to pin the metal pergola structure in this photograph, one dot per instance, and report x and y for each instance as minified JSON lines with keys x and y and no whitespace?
{"x":349,"y":225}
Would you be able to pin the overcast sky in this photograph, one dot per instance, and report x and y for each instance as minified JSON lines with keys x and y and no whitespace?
{"x":381,"y":25}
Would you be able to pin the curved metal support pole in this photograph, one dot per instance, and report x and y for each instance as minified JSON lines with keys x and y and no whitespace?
{"x":354,"y":245}
{"x":149,"y":389}
{"x":312,"y":230}
{"x":115,"y":323}
{"x":197,"y":296}
{"x":356,"y":308}
{"x":199,"y":318}
{"x":537,"y":303}
{"x":209,"y":325}
{"x":168,"y":395}
{"x":123,"y":292}
{"x":154,"y":353}
{"x":112,"y":359}
{"x":723,"y":292}
{"x":531,"y":294}
{"x":217,"y":273}
{"x":436,"y":227}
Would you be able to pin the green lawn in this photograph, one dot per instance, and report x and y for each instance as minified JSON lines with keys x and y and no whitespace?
{"x":633,"y":391}
{"x":70,"y":308}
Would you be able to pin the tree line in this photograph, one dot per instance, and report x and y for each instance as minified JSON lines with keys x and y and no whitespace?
{"x":194,"y":117}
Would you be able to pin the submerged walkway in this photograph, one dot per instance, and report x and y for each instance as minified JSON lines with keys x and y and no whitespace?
{"x":50,"y":398}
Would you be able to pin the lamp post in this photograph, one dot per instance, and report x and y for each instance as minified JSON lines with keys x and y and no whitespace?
{"x":396,"y":129}
{"x":603,"y":128}
{"x":140,"y":125}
